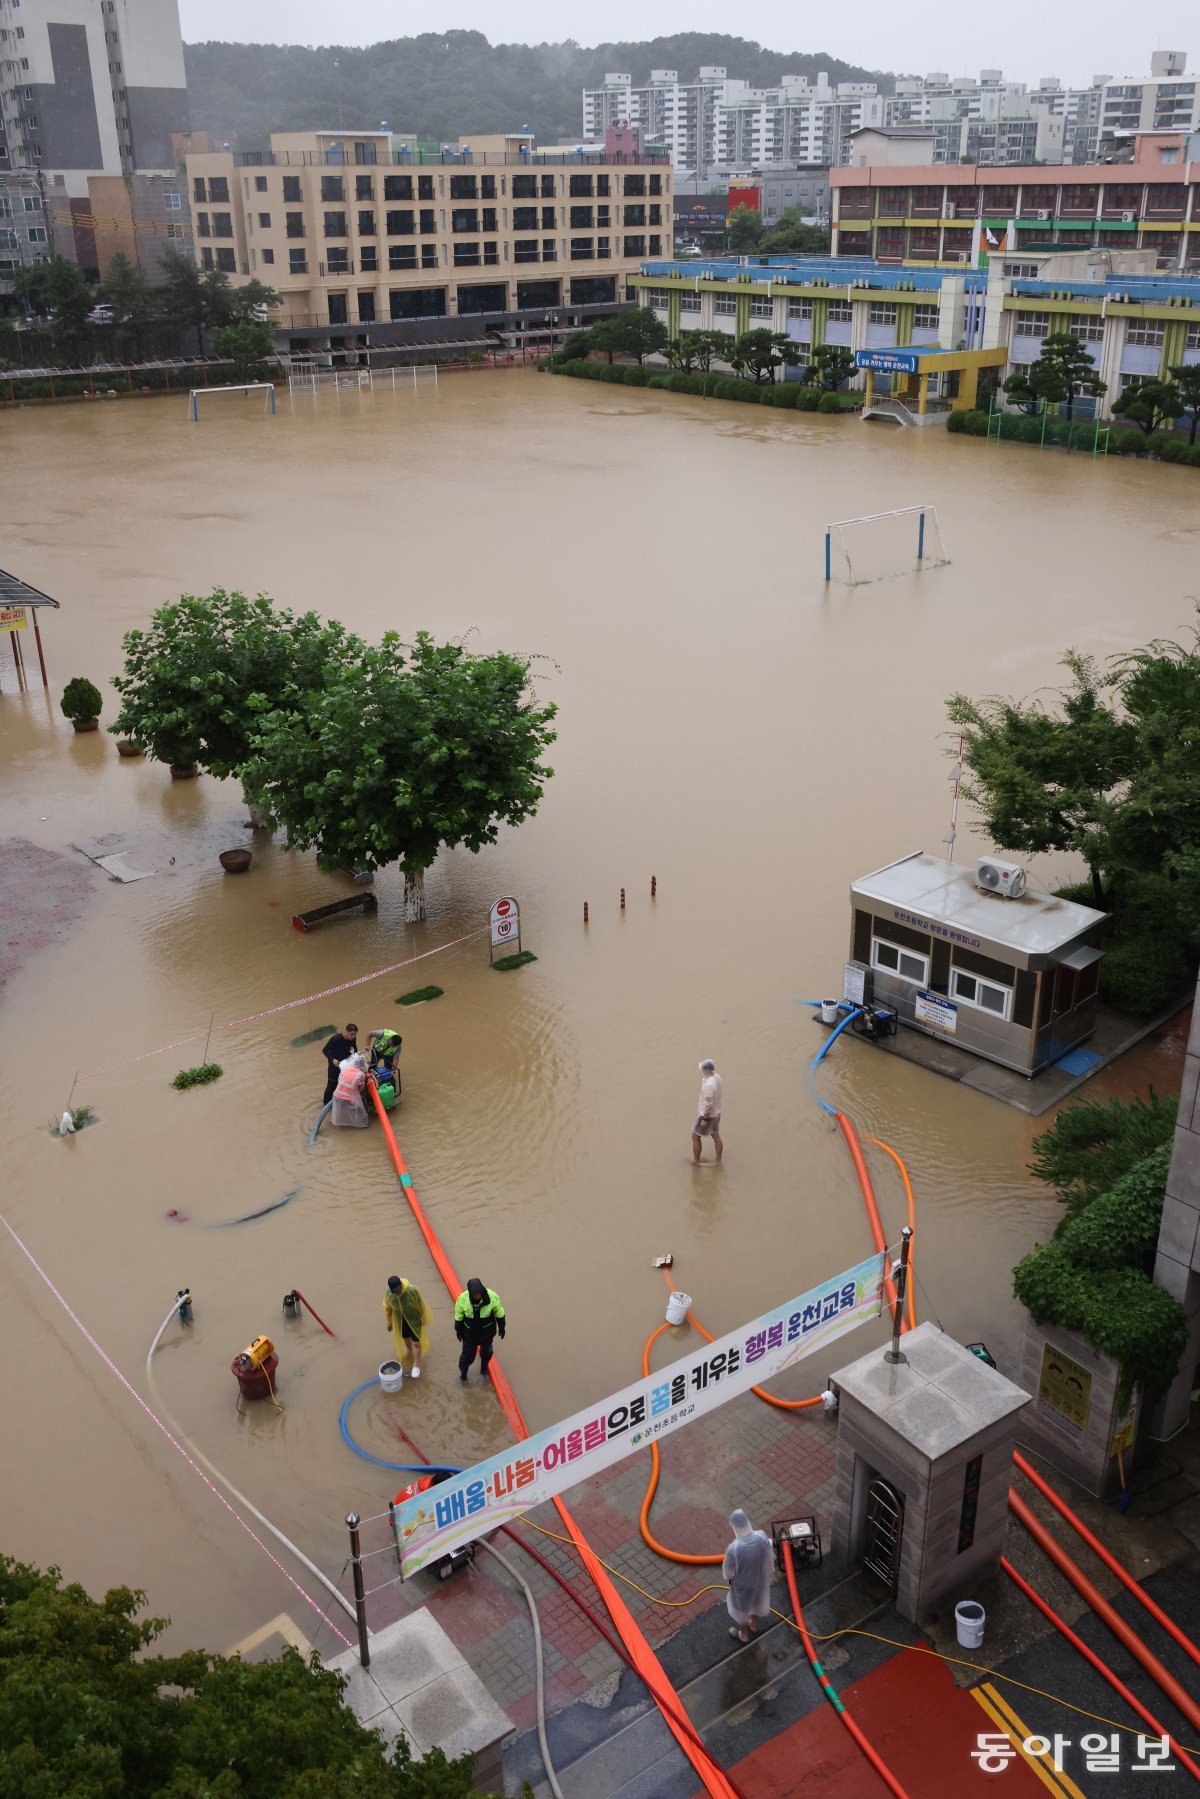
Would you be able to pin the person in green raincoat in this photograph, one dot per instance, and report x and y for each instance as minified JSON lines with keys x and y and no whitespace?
{"x":408,"y":1320}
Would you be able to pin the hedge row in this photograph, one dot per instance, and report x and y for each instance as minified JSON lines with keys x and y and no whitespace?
{"x":105,"y":382}
{"x":791,"y":395}
{"x":1080,"y":435}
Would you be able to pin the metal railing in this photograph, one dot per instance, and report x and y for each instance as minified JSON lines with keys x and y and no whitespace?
{"x":447,"y":158}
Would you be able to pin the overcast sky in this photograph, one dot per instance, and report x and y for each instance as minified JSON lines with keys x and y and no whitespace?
{"x":1026,"y":39}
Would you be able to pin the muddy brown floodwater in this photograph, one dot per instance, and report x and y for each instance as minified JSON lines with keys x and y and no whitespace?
{"x":726,"y":723}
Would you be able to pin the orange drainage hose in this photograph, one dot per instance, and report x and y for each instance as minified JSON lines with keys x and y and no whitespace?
{"x":715,"y":1781}
{"x":868,"y":1192}
{"x":1182,"y":1701}
{"x":1102,"y":1668}
{"x":1110,"y":1561}
{"x":912,"y":1224}
{"x":884,"y":1772}
{"x":648,"y":1537}
{"x":784,"y":1405}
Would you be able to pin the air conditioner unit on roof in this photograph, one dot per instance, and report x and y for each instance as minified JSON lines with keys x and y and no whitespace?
{"x":1043,"y":212}
{"x":1005,"y":878}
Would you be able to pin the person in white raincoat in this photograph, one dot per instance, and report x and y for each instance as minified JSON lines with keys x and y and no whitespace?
{"x":748,"y":1566}
{"x":348,"y":1107}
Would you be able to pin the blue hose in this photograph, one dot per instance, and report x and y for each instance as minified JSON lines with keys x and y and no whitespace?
{"x":822,"y":1053}
{"x":399,"y":1467}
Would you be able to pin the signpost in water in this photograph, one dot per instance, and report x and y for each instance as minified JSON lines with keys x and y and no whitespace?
{"x":505,"y":920}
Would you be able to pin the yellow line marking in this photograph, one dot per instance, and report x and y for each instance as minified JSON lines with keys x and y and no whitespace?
{"x":1016,"y":1730}
{"x":283,"y":1626}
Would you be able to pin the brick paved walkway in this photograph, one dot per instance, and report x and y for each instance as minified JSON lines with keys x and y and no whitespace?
{"x":772,"y":1463}
{"x":42,"y":893}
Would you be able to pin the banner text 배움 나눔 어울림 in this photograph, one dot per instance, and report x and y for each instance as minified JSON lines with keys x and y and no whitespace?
{"x":496,"y":1491}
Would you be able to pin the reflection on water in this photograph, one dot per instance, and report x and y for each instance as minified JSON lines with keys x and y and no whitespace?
{"x":726,"y":723}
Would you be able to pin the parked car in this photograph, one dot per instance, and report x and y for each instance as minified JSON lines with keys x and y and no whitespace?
{"x":100,"y":315}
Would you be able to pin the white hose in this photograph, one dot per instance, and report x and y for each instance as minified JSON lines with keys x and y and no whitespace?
{"x":228,"y":1484}
{"x":504,"y":1562}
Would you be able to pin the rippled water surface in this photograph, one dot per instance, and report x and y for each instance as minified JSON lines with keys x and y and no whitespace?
{"x":727,"y":724}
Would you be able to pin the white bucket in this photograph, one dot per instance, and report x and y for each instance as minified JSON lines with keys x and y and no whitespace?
{"x":678,"y":1307}
{"x":829,"y":1011}
{"x":969,"y":1620}
{"x":391,"y":1376}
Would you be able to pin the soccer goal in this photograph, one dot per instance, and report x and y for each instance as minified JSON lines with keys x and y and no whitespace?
{"x":882,"y":544}
{"x":266,"y":388}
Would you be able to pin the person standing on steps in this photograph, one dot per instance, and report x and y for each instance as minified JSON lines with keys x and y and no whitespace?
{"x":478,"y":1315}
{"x":340,"y":1046}
{"x":708,"y":1111}
{"x":748,"y":1565}
{"x":408,"y":1320}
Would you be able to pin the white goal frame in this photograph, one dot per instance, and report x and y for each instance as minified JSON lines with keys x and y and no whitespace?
{"x":921,"y":513}
{"x":244,"y":387}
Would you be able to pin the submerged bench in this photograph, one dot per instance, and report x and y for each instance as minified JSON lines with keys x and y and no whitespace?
{"x":358,"y":902}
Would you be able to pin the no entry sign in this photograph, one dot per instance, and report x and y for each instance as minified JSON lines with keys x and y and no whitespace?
{"x":505,"y":921}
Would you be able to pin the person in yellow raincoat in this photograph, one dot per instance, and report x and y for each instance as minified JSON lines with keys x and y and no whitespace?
{"x":408,"y":1320}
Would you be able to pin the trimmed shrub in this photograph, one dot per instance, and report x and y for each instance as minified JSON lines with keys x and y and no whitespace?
{"x":829,"y":403}
{"x":658,"y":379}
{"x":1167,"y":448}
{"x":636,"y":376}
{"x":1127,"y":443}
{"x":1191,"y":455}
{"x":972,"y":423}
{"x":785,"y":395}
{"x":808,"y":399}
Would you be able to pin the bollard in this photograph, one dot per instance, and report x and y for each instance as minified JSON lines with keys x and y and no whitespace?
{"x":653,"y":885}
{"x":622,"y":899}
{"x":360,"y":1598}
{"x":585,"y":917}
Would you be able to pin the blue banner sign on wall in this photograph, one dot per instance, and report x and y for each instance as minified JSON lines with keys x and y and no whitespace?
{"x":892,"y":362}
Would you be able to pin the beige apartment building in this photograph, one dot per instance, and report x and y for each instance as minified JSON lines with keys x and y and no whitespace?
{"x":366,"y":236}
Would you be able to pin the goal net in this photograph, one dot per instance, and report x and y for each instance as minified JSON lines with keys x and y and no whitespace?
{"x":252,"y":398}
{"x":880,"y":545}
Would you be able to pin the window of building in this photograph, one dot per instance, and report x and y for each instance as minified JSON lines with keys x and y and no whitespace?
{"x":1031,"y":324}
{"x":227,"y":261}
{"x":799,"y":309}
{"x":339,"y":313}
{"x":839,"y":312}
{"x":525,"y":218}
{"x":37,"y":234}
{"x":364,"y":187}
{"x":582,"y":249}
{"x":658,"y":297}
{"x":1144,"y":331}
{"x":294,"y":224}
{"x":297,"y":262}
{"x":656,"y":215}
{"x":1088,"y":327}
{"x":337,"y":262}
{"x":689,"y":302}
{"x":203,"y":229}
{"x":173,"y":202}
{"x":264,"y":221}
{"x":762,"y":306}
{"x":1192,"y":341}
{"x":548,"y":188}
{"x":549,"y":250}
{"x":464,"y":187}
{"x":366,"y":308}
{"x":904,"y":962}
{"x":206,"y":258}
{"x":368,"y":258}
{"x":725,"y":304}
{"x":424,"y":187}
{"x":396,"y":187}
{"x":335,"y":224}
{"x":429,"y":256}
{"x":428,"y":221}
{"x":602,"y":184}
{"x":402,"y":256}
{"x":604,"y":216}
{"x":401,"y":224}
{"x":881,"y":314}
{"x":635,"y":246}
{"x":466,"y":255}
{"x":333,"y":187}
{"x":489,"y":219}
{"x":580,"y":187}
{"x":418,"y":303}
{"x":463,"y":218}
{"x":635,"y":215}
{"x":655,"y":245}
{"x":291,"y":190}
{"x":925,"y":318}
{"x":366,"y":224}
{"x":524,"y":187}
{"x":1021,"y":270}
{"x":633,"y":185}
{"x":989,"y":996}
{"x":267,"y":255}
{"x":525,"y":249}
{"x":260,"y":184}
{"x":582,"y":217}
{"x":199,"y":192}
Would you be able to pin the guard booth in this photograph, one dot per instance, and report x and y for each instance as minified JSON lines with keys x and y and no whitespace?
{"x":919,"y":384}
{"x":1011,"y":979}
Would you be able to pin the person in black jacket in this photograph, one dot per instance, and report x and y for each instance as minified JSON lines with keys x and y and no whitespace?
{"x":340,"y":1045}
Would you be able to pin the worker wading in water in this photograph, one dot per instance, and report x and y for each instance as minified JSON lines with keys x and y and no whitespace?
{"x":478,"y":1315}
{"x":408,"y":1320}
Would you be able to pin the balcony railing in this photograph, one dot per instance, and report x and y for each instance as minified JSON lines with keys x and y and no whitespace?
{"x":471,"y":159}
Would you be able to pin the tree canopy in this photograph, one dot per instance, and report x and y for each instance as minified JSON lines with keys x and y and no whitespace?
{"x":1186,"y":376}
{"x":1062,"y":372}
{"x":1149,"y":404}
{"x":638,"y":332}
{"x":760,"y":353}
{"x":743,"y":228}
{"x":85,"y":1709}
{"x":790,"y":234}
{"x":412,"y":748}
{"x":831,"y":365}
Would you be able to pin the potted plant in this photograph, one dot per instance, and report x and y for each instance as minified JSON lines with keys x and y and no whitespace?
{"x":128,"y":746}
{"x":82,"y":703}
{"x":235,"y":862}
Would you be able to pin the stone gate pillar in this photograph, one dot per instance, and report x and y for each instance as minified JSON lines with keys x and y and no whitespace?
{"x":924,"y":1461}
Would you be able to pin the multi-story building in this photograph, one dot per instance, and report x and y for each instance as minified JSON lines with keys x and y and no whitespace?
{"x":90,"y":89}
{"x":921,"y":214}
{"x":360,"y":235}
{"x":965,"y":320}
{"x":24,"y":231}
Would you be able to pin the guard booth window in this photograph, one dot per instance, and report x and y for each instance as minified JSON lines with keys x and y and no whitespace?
{"x":895,"y":960}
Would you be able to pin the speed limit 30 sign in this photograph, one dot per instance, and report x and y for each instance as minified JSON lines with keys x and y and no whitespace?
{"x":505,"y":920}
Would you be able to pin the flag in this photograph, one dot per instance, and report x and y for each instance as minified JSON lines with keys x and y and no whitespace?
{"x":993,"y":240}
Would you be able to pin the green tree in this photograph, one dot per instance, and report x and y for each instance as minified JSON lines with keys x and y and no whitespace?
{"x":1149,"y":404}
{"x":638,"y":332}
{"x":196,"y":678}
{"x":743,"y":228}
{"x":1094,"y":1142}
{"x":831,"y":365}
{"x":698,"y":350}
{"x":62,"y":294}
{"x":246,"y":345}
{"x":1042,"y":778}
{"x":1063,"y":371}
{"x":133,"y":301}
{"x":1021,"y":391}
{"x":760,"y":353}
{"x":85,"y":1709}
{"x":407,"y":749}
{"x":790,"y":234}
{"x":577,"y":347}
{"x":1186,"y":376}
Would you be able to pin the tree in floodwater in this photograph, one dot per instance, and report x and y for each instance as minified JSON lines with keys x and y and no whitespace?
{"x":85,"y":1709}
{"x":409,"y":748}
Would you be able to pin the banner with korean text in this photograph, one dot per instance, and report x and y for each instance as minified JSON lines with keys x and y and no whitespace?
{"x":494,"y":1492}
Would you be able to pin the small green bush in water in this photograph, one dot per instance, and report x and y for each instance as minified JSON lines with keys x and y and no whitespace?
{"x":419,"y":994}
{"x":198,"y":1077}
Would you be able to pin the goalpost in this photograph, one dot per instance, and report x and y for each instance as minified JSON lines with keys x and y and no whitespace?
{"x":877,"y":545}
{"x":248,"y":387}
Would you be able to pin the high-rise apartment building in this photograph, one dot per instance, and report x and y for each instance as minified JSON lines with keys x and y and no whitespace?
{"x":89,"y":90}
